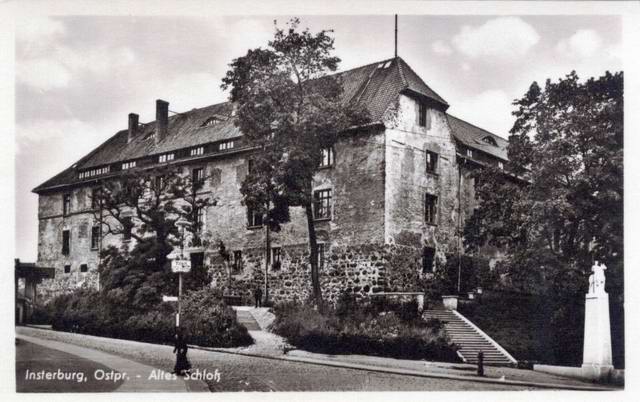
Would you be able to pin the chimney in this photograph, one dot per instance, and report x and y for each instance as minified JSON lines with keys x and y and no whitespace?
{"x":162,"y":119}
{"x":133,"y":126}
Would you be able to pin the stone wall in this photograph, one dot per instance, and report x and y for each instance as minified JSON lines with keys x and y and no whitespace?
{"x":361,"y":270}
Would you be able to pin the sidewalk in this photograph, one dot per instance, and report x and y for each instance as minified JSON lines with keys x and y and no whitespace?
{"x":138,"y":375}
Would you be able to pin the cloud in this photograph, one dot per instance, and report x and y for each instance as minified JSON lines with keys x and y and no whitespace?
{"x":490,"y":110}
{"x":43,"y":74}
{"x":37,"y":29}
{"x":582,"y":44}
{"x":439,"y":47}
{"x":504,"y":38}
{"x":56,"y":69}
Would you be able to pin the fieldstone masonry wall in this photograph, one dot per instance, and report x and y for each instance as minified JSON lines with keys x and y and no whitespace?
{"x":361,"y":270}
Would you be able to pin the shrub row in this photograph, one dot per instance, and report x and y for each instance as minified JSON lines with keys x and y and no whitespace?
{"x":206,"y":320}
{"x":368,"y":328}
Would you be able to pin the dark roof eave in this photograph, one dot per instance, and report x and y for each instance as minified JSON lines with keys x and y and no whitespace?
{"x":443,"y":104}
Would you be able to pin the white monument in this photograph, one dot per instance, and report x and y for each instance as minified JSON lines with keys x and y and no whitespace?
{"x":596,"y":359}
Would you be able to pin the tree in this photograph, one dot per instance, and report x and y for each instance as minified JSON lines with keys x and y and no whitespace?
{"x":290,"y":109}
{"x":144,"y":204}
{"x":559,"y":207}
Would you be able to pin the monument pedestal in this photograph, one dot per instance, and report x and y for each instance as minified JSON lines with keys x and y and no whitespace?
{"x":597,"y":361}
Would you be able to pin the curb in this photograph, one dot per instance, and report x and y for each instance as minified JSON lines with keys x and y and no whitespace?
{"x":415,"y":373}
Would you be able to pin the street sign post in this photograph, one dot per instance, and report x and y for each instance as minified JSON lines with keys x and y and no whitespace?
{"x":180,"y":266}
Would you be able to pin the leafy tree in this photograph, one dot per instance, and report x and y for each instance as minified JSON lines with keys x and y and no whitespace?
{"x":560,"y":205}
{"x":290,"y":109}
{"x":145,"y":204}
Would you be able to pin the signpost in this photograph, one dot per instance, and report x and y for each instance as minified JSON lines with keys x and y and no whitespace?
{"x":180,"y":264}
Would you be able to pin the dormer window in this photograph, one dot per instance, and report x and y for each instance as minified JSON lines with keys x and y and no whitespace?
{"x":226,"y":145}
{"x":166,"y":157}
{"x":196,"y":151}
{"x":490,"y":140}
{"x":94,"y":172}
{"x":210,"y":122}
{"x":128,"y":165}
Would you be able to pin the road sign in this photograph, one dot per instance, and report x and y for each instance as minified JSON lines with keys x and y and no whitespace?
{"x":169,"y":298}
{"x":180,"y":266}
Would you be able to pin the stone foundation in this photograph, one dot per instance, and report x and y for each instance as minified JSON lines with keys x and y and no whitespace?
{"x":361,"y":270}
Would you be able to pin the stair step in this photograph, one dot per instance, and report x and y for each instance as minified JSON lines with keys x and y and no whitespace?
{"x":468,"y":339}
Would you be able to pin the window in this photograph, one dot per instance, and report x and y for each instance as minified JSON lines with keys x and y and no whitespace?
{"x":128,"y":165}
{"x":166,"y":157}
{"x":127,"y":226}
{"x":430,"y":209}
{"x":94,"y":172}
{"x":321,"y":250}
{"x":254,"y":218}
{"x":470,"y":152}
{"x":95,"y":198}
{"x":422,"y":114}
{"x":427,"y":259}
{"x":197,"y":176}
{"x":322,"y":204}
{"x":67,"y":269}
{"x":95,"y":237}
{"x":500,"y":165}
{"x":199,"y":218}
{"x":431,"y":161}
{"x":83,"y":268}
{"x":327,"y":157}
{"x":196,"y":151}
{"x":237,"y":261}
{"x":66,"y":204}
{"x":276,"y":255}
{"x":210,"y":122}
{"x":66,"y":242}
{"x":223,"y":146}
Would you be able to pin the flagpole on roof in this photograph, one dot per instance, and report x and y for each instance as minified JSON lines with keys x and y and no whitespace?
{"x":395,"y":47}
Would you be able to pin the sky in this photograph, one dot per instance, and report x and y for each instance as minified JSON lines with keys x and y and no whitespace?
{"x":78,"y":77}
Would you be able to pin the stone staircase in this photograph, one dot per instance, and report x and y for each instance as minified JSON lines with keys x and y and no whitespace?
{"x":246,"y":318}
{"x":470,"y":339}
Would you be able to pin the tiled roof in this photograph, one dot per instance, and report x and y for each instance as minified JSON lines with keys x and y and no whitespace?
{"x":371,"y":86}
{"x":474,"y":137}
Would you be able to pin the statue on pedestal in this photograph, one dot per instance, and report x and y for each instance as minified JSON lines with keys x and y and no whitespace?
{"x":597,"y":279}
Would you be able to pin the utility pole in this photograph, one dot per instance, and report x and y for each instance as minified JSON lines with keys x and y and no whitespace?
{"x":267,"y":256}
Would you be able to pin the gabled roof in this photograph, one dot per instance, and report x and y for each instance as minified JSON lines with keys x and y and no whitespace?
{"x":474,"y":137}
{"x":374,"y":86}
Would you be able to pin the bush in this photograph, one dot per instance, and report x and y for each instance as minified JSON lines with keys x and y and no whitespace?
{"x":205,"y":319}
{"x":363,"y":329}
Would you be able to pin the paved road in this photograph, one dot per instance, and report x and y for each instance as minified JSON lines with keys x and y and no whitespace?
{"x":245,"y":373}
{"x":32,"y":359}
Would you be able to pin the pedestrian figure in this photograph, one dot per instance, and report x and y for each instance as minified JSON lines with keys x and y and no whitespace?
{"x":180,"y":349}
{"x":257,"y":294}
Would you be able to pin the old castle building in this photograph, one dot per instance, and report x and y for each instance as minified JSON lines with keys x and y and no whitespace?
{"x":391,"y":198}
